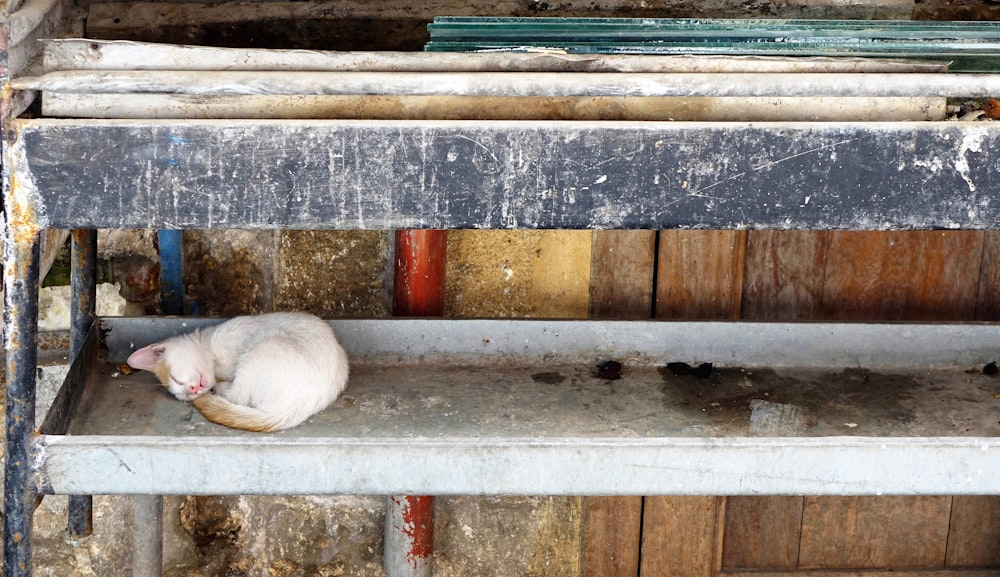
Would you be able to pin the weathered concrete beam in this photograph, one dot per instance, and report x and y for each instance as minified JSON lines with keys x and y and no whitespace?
{"x":430,"y":174}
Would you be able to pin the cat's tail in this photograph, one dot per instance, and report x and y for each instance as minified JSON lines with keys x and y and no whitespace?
{"x":223,"y":412}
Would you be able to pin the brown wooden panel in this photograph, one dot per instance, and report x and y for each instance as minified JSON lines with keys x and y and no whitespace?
{"x":784,"y":272}
{"x":621,"y":286}
{"x":621,"y":274}
{"x":700,"y":274}
{"x":762,"y":533}
{"x":874,"y":532}
{"x":988,"y":297}
{"x":782,"y":280}
{"x":680,"y":536}
{"x":974,"y":538}
{"x":911,"y":275}
{"x":611,"y":534}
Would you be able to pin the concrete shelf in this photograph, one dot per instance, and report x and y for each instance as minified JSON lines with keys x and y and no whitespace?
{"x":521,"y":406}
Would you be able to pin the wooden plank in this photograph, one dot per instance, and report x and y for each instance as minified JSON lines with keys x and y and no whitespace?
{"x":988,"y":295}
{"x":621,"y":274}
{"x":866,"y":573}
{"x":700,"y":274}
{"x":621,"y":286}
{"x":762,"y":533}
{"x":612,"y":527}
{"x":784,"y":275}
{"x":874,"y":532}
{"x":974,"y":532}
{"x":496,"y":174}
{"x":679,"y":536}
{"x":926,"y":275}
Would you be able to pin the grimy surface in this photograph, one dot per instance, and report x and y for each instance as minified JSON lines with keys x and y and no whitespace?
{"x":318,"y":174}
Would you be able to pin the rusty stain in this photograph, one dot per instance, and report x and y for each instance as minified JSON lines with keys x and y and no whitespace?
{"x":417,"y":526}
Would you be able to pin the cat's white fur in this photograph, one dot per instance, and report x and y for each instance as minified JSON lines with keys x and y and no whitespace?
{"x":268,"y":372}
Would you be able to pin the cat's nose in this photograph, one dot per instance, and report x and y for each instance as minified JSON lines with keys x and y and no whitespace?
{"x":194,"y":388}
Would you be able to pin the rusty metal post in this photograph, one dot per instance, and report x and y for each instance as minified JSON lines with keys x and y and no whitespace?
{"x":83,"y":286}
{"x":418,"y":290}
{"x":21,"y":264}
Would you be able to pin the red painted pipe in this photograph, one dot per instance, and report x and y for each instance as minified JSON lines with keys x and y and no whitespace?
{"x":418,"y":291}
{"x":418,"y":286}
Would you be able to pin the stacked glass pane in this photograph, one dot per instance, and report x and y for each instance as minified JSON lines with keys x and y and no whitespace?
{"x":970,"y":46}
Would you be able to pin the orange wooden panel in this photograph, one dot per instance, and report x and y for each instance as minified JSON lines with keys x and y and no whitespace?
{"x":611,"y":536}
{"x":700,"y":274}
{"x":988,"y":296}
{"x":874,"y":532}
{"x":909,"y":275}
{"x":680,"y":536}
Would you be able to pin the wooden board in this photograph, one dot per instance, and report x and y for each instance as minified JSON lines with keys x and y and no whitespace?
{"x":784,"y":274}
{"x":680,"y":536}
{"x":874,"y":532}
{"x":621,"y":286}
{"x":700,"y":274}
{"x":974,"y":532}
{"x":929,"y":275}
{"x":762,"y":533}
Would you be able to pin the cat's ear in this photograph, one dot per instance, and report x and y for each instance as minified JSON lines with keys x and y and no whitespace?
{"x":146,"y":358}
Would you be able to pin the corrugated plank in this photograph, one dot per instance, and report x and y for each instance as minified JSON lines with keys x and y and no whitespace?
{"x":762,"y":533}
{"x":679,"y":536}
{"x":505,"y":174}
{"x":874,"y":532}
{"x":975,"y":532}
{"x":922,"y":275}
{"x":700,"y":274}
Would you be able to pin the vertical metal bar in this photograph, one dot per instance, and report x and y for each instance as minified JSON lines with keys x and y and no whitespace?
{"x":409,"y":537}
{"x":418,"y":281}
{"x":418,"y":290}
{"x":171,"y":272}
{"x":21,"y":257}
{"x":83,"y":286}
{"x":147,"y":536}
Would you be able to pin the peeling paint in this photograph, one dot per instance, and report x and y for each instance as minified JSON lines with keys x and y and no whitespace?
{"x":972,"y":141}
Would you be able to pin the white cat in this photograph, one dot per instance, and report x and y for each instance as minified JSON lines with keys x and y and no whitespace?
{"x":268,"y":372}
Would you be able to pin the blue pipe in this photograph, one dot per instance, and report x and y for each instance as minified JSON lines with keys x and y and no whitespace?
{"x":171,"y":272}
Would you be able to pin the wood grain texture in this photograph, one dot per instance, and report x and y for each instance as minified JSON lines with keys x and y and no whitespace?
{"x":680,"y":536}
{"x":621,"y":286}
{"x":988,"y":295}
{"x":612,"y":528}
{"x":874,"y":532}
{"x":911,"y":275}
{"x":700,"y":274}
{"x":762,"y":533}
{"x":784,"y":274}
{"x":621,"y":274}
{"x":974,"y":537}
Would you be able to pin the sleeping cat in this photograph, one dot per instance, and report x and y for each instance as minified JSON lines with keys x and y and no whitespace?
{"x":268,"y":372}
